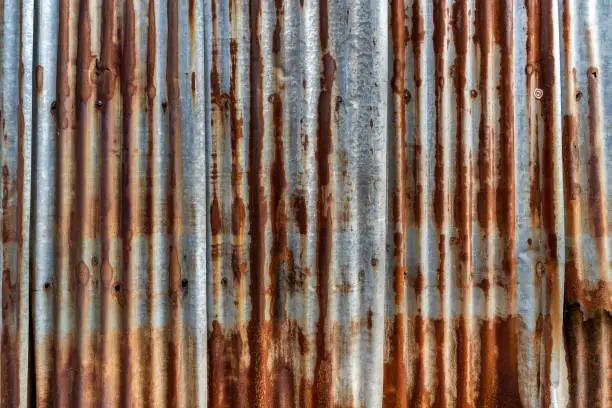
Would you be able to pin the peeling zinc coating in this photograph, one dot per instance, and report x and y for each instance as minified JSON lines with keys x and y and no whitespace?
{"x":313,"y":203}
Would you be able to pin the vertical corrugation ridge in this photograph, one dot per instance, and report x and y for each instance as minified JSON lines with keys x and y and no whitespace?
{"x":394,"y":381}
{"x":135,"y":282}
{"x":174,"y":203}
{"x":305,"y":204}
{"x":552,"y":237}
{"x":485,"y":206}
{"x":281,"y":258}
{"x":322,"y":393}
{"x":15,"y":109}
{"x":216,"y":375}
{"x":44,"y":281}
{"x":158,"y":204}
{"x":462,"y":202}
{"x":440,"y":204}
{"x":258,"y":391}
{"x":111,"y":212}
{"x":507,"y":328}
{"x":65,"y":363}
{"x":588,"y":294}
{"x":87,"y":207}
{"x":419,"y":161}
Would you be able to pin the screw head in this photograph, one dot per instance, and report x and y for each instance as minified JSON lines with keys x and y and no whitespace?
{"x":538,"y":93}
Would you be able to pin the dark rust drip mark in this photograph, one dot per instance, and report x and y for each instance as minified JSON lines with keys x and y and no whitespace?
{"x":149,"y":222}
{"x":546,"y":77}
{"x":440,"y":203}
{"x":485,"y":199}
{"x":150,"y":225}
{"x":276,"y":36}
{"x":216,"y":216}
{"x":322,"y":393}
{"x":596,"y":195}
{"x":8,"y":217}
{"x":257,"y":332}
{"x":420,"y":396}
{"x":465,"y":395}
{"x":191,"y":11}
{"x":440,"y":396}
{"x":238,"y":211}
{"x":9,"y":341}
{"x":571,"y":170}
{"x":499,"y":369}
{"x":588,"y":362}
{"x":226,"y":375}
{"x":12,"y":223}
{"x":499,"y":355}
{"x":418,"y":40}
{"x":532,"y":68}
{"x":462,"y":204}
{"x":439,"y":40}
{"x":300,"y":213}
{"x":394,"y":380}
{"x":280,"y":254}
{"x":505,"y":211}
{"x":174,"y":203}
{"x":40,"y":75}
{"x":508,"y":352}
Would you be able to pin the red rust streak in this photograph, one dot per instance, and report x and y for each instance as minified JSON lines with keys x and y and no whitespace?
{"x":462,"y":206}
{"x":87,"y":204}
{"x":227,"y":368}
{"x":588,"y":336}
{"x":136,"y":346}
{"x":322,"y":393}
{"x":394,"y":379}
{"x":485,"y":204}
{"x":507,"y":329}
{"x":440,"y":206}
{"x":175,"y":207}
{"x":66,"y":362}
{"x":281,"y":263}
{"x":238,"y":210}
{"x":281,"y":259}
{"x":597,"y":198}
{"x":418,"y":395}
{"x":111,"y":392}
{"x":217,"y":380}
{"x":257,"y":332}
{"x":546,"y":81}
{"x":418,"y":39}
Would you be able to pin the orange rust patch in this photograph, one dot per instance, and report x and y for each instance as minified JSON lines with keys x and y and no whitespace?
{"x":83,"y":274}
{"x":40,"y":75}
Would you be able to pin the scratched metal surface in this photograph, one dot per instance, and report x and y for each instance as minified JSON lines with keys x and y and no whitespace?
{"x":306,"y":203}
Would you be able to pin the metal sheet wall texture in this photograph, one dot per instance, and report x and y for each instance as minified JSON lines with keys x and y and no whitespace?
{"x":306,"y":203}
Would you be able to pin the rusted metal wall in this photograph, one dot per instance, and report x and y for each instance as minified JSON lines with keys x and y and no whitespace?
{"x":306,"y":203}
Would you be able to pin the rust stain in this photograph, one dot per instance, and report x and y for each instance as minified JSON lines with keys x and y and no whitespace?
{"x":257,"y":331}
{"x":322,"y":393}
{"x":418,"y":39}
{"x":462,"y":203}
{"x":40,"y":75}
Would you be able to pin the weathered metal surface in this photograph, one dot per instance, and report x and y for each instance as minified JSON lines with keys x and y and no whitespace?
{"x":306,"y":203}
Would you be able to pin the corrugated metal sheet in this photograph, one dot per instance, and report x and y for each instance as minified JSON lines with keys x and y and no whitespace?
{"x":306,"y":203}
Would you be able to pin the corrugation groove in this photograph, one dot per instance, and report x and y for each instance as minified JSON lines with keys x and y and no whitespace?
{"x":305,"y":203}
